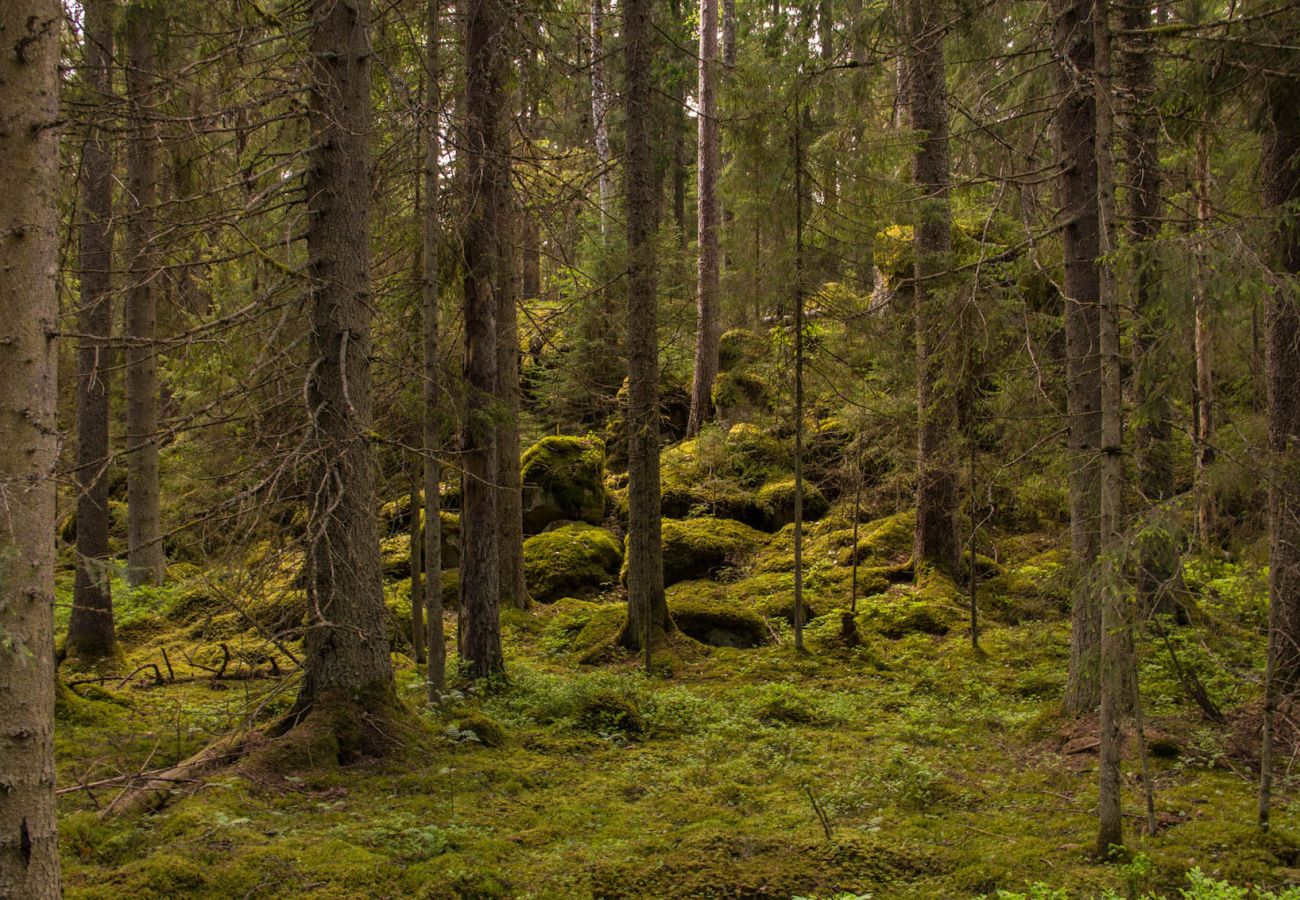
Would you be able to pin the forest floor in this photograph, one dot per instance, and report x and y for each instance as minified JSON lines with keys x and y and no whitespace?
{"x":909,"y":766}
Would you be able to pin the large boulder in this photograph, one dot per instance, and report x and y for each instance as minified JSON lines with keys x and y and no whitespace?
{"x":564,"y":479}
{"x":698,"y":548}
{"x":572,"y":560}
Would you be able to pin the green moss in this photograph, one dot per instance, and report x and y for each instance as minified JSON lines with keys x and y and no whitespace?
{"x":739,"y":347}
{"x":608,"y":711}
{"x":574,"y":560}
{"x":698,"y":548}
{"x":777,"y":499}
{"x":712,"y":620}
{"x":487,"y":731}
{"x":741,"y":394}
{"x":564,"y":479}
{"x":931,"y":607}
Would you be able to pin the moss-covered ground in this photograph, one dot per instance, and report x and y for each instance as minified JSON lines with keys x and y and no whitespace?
{"x":907,"y":766}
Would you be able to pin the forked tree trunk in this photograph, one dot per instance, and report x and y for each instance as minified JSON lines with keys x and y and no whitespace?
{"x":708,"y":317}
{"x":91,"y":630}
{"x":480,"y":569}
{"x":346,"y":642}
{"x":1075,"y":138}
{"x":29,"y":115}
{"x":431,"y":407}
{"x":145,"y":563}
{"x":647,"y":611}
{"x":936,"y":395}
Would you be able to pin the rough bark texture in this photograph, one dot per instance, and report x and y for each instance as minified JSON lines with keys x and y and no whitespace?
{"x":1075,"y":137}
{"x":431,"y":408}
{"x":708,"y":318}
{"x":936,"y":394}
{"x":416,"y":535}
{"x":91,"y":632}
{"x":1201,"y":340}
{"x":29,"y":112}
{"x":480,"y":569}
{"x":600,"y":111}
{"x":346,"y":642}
{"x":144,"y":554}
{"x":647,"y":610}
{"x":510,"y":505}
{"x":1280,"y":173}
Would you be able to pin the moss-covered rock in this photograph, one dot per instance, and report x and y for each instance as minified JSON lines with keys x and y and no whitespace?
{"x":933,"y":605}
{"x":485,"y":730}
{"x":741,"y":395}
{"x":563,"y":479}
{"x":697,"y":548}
{"x":740,"y":347}
{"x":609,"y":712}
{"x":777,"y":500}
{"x":718,"y":624}
{"x":573,"y":560}
{"x":719,"y":474}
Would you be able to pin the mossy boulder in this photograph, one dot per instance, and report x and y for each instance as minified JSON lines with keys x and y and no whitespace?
{"x":718,"y":624}
{"x":698,"y":548}
{"x":933,"y":606}
{"x":777,"y":500}
{"x":741,"y":395}
{"x":485,"y":730}
{"x":563,"y":479}
{"x":608,"y":712}
{"x":719,"y":473}
{"x":740,"y":347}
{"x":572,"y":560}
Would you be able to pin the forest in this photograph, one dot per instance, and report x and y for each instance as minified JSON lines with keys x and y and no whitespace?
{"x":813,"y":449}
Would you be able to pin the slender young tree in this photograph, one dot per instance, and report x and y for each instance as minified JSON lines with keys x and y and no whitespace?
{"x":480,"y":570}
{"x":647,"y":610}
{"x":430,"y":408}
{"x":510,"y":505}
{"x":29,"y":121}
{"x":415,"y":534}
{"x":1075,"y":139}
{"x":600,"y":112}
{"x":1202,"y":341}
{"x":91,"y":631}
{"x":346,"y":642}
{"x":708,"y":315}
{"x":145,"y":562}
{"x":936,"y":395}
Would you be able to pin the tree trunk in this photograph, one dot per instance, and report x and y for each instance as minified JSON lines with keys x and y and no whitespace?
{"x":416,"y":533}
{"x":431,"y":407}
{"x":91,"y":632}
{"x":145,"y":563}
{"x":1204,"y":449}
{"x":1075,"y":138}
{"x":708,"y":319}
{"x":346,"y":643}
{"x":510,"y":507}
{"x":480,"y":568}
{"x":1107,"y":583}
{"x":29,"y":114}
{"x":600,"y":112}
{"x":936,"y":396}
{"x":1280,"y":173}
{"x":647,"y":611}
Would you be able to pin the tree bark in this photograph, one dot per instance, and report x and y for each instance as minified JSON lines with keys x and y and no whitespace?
{"x":1280,"y":173}
{"x":29,"y":114}
{"x":647,"y":610}
{"x":480,"y":570}
{"x":510,"y":508}
{"x":431,"y":408}
{"x":1202,"y":342}
{"x":600,"y":112}
{"x":91,"y":632}
{"x":708,"y":320}
{"x":416,"y":534}
{"x":346,"y":643}
{"x":936,"y":395}
{"x":145,"y":562}
{"x":1075,"y":139}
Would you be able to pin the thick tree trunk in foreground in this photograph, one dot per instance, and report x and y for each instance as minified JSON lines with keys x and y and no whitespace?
{"x":708,"y":317}
{"x":431,"y":407}
{"x":346,"y":642}
{"x":647,"y":610}
{"x":29,"y":112}
{"x":480,"y":568}
{"x":91,"y":631}
{"x":1075,"y":137}
{"x":145,"y":562}
{"x":936,"y":395}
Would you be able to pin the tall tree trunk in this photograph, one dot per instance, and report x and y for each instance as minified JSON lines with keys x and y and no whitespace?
{"x":1107,"y":583}
{"x":936,"y":395}
{"x":1202,"y":342}
{"x":510,"y":508}
{"x":416,"y":535}
{"x":1075,"y":138}
{"x":145,"y":563}
{"x":346,"y":643}
{"x":431,"y":407}
{"x":647,"y":611}
{"x":1280,"y":172}
{"x":480,"y":568}
{"x":600,"y":112}
{"x":708,"y":321}
{"x":29,"y":114}
{"x":90,"y":627}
